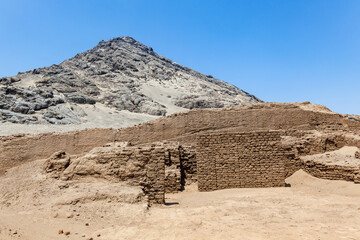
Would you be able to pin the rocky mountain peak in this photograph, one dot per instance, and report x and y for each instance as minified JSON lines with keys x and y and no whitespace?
{"x":120,"y":74}
{"x":127,"y":43}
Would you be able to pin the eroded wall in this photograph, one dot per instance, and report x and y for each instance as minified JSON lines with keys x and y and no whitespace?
{"x":18,"y":149}
{"x":180,"y":166}
{"x":331,"y":172}
{"x":184,"y":127}
{"x":181,"y":127}
{"x":140,"y":166}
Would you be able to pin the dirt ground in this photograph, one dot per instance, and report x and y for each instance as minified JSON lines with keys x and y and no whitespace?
{"x":35,"y":207}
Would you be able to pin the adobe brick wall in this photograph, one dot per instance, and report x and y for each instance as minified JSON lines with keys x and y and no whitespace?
{"x":180,"y":166}
{"x":184,"y":127}
{"x":238,"y":160}
{"x":139,"y":166}
{"x":188,"y":163}
{"x":357,"y":177}
{"x":173,"y":180}
{"x":21,"y":148}
{"x":181,"y":127}
{"x":307,"y":143}
{"x":332,"y":172}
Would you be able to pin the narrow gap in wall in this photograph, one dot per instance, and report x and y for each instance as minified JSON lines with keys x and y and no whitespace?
{"x":182,"y":171}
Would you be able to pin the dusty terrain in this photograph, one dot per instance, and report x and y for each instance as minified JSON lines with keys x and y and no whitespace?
{"x":97,"y":116}
{"x":35,"y":207}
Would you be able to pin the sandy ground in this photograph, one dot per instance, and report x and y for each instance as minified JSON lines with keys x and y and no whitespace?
{"x":35,"y":207}
{"x":163,"y":96}
{"x":97,"y":116}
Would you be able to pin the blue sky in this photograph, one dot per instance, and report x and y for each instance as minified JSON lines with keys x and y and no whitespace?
{"x":278,"y":50}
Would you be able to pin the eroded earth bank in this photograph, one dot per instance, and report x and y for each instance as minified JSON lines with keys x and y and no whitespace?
{"x":143,"y":182}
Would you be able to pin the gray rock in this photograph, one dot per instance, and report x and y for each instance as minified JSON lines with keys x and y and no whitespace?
{"x":193,"y":101}
{"x":9,"y":116}
{"x":61,"y":114}
{"x":113,"y":73}
{"x":9,"y":80}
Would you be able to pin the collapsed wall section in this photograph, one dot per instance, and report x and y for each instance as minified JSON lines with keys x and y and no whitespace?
{"x":180,"y":165}
{"x":173,"y":173}
{"x":342,"y":164}
{"x":331,"y":172}
{"x":240,"y":160}
{"x":138,"y":166}
{"x":188,"y":163}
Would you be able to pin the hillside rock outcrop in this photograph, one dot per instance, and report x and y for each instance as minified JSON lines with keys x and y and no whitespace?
{"x":120,"y":74}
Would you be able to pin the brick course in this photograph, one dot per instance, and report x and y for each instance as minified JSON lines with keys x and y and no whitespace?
{"x":331,"y":172}
{"x":180,"y":166}
{"x":233,"y":160}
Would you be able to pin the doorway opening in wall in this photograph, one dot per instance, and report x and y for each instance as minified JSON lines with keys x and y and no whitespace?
{"x":180,"y":167}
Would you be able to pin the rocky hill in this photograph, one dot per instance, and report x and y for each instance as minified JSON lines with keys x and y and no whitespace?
{"x":119,"y":76}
